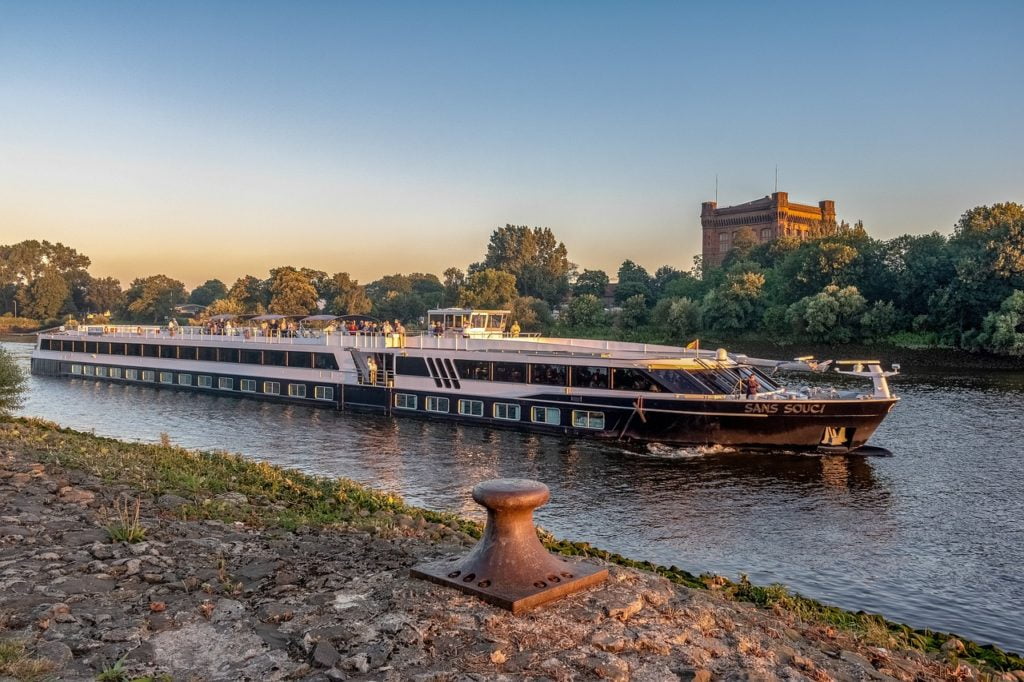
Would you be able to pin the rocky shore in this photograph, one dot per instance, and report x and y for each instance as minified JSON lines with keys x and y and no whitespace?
{"x":231,"y":570}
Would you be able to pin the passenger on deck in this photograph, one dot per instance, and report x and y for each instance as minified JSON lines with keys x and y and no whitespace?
{"x":752,"y":385}
{"x":514,"y":329}
{"x":371,"y":365}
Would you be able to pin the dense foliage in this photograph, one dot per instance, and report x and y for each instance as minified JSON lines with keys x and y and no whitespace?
{"x":12,"y":384}
{"x":963,"y":290}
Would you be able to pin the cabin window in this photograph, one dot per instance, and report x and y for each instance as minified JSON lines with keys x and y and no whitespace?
{"x":549,"y":375}
{"x":297,"y":390}
{"x":406,"y":401}
{"x":226,"y":383}
{"x":508,"y":411}
{"x":204,"y":381}
{"x":150,"y":350}
{"x":680,"y":381}
{"x":272,"y":387}
{"x":148,"y":375}
{"x":227,"y":355}
{"x":169,"y":352}
{"x":299,"y":359}
{"x":188,"y":353}
{"x":247,"y":385}
{"x":546,"y":415}
{"x":44,"y":344}
{"x":166,"y":377}
{"x":90,"y":347}
{"x":628,"y":379}
{"x":88,"y":370}
{"x":131,"y":374}
{"x":324,"y":361}
{"x":252,"y":357}
{"x":133,"y":349}
{"x":413,"y":367}
{"x":79,"y":346}
{"x":101,"y":371}
{"x":323,"y":392}
{"x":436,"y":404}
{"x":590,"y":377}
{"x":76,"y":369}
{"x":471,"y":408}
{"x":207,"y":354}
{"x":275,"y":358}
{"x":474,"y":370}
{"x":514,"y":372}
{"x":115,"y":372}
{"x":184,"y":379}
{"x":117,"y":349}
{"x":582,"y":419}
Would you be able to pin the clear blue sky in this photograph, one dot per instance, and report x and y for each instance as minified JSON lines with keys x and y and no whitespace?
{"x":218,"y":138}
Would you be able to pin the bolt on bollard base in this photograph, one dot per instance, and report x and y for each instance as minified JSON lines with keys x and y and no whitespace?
{"x":509,"y":567}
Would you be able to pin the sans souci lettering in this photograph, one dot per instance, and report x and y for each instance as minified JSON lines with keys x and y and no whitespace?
{"x":788,"y":408}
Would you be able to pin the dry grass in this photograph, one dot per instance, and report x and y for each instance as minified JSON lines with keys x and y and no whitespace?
{"x":16,"y":662}
{"x":126,"y":526}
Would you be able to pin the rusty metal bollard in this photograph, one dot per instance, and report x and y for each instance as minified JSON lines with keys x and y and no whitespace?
{"x":509,"y":567}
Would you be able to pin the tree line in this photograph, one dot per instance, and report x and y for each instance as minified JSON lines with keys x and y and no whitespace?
{"x":839,"y":286}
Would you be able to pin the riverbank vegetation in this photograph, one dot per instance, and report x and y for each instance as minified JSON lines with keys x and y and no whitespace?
{"x":841,"y":286}
{"x":275,"y":497}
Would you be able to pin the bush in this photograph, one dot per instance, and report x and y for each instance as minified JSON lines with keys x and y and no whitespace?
{"x":12,"y":384}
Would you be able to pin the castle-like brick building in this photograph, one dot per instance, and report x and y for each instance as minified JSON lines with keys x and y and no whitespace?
{"x":770,"y":218}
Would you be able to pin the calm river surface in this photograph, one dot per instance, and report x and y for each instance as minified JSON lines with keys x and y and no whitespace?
{"x":932,"y":536}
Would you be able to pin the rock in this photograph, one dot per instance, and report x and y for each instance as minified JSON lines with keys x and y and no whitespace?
{"x":171,"y":502}
{"x":74,"y":495}
{"x":227,"y":610}
{"x":118,"y":635}
{"x":101,"y":551}
{"x":359,"y":662}
{"x":325,"y":655}
{"x":48,"y":556}
{"x":953,"y":646}
{"x":609,"y":641}
{"x":693,"y":674}
{"x":232,"y":498}
{"x":625,"y":609}
{"x":57,"y":653}
{"x":133,"y":566}
{"x":85,"y":537}
{"x":609,"y":667}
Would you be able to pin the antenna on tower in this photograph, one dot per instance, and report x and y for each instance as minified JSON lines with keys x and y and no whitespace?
{"x":776,"y":177}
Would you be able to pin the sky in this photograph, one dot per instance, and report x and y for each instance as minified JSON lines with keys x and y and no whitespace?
{"x":204,"y":140}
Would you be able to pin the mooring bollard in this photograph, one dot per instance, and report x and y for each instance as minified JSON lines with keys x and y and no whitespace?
{"x":509,"y":567}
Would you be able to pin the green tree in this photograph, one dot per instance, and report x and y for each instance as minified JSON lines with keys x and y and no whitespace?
{"x":251,"y":293}
{"x":830,"y":316}
{"x":591,"y":282}
{"x":103,"y":295}
{"x":153,"y":299}
{"x":1002,"y":331}
{"x":12,"y":384}
{"x":737,"y":305}
{"x":44,"y":297}
{"x":453,"y":279}
{"x":879,"y":321}
{"x":292,"y":292}
{"x":634,"y":313}
{"x":208,"y":292}
{"x":488,"y":289}
{"x":532,"y":314}
{"x":665,"y":276}
{"x":404,"y":297}
{"x":345,"y":296}
{"x":679,"y":318}
{"x":224,"y":306}
{"x":584,"y":311}
{"x":539,"y":262}
{"x":633,"y":280}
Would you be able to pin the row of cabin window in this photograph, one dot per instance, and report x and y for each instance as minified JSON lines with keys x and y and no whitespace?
{"x":276,"y":358}
{"x":202,"y":381}
{"x":581,"y":419}
{"x":581,"y":376}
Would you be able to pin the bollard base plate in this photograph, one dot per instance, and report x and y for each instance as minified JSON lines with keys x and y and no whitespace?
{"x":573,"y":576}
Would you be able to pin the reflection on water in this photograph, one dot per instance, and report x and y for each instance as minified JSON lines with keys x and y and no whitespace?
{"x":933,"y":535}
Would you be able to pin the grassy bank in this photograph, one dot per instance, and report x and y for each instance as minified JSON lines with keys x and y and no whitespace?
{"x":288,"y":499}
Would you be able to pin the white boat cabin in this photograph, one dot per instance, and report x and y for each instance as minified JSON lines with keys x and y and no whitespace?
{"x":469,"y":321}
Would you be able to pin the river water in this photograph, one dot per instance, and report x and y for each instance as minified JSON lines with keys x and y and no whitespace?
{"x":932,"y":536}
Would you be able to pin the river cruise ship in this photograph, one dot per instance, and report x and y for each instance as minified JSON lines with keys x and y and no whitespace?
{"x":466,"y":368}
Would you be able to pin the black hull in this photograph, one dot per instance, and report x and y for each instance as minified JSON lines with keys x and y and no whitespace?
{"x":836,"y":425}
